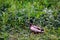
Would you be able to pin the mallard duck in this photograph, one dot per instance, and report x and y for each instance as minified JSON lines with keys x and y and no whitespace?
{"x":35,"y":28}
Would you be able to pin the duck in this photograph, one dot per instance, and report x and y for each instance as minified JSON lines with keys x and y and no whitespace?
{"x":35,"y":28}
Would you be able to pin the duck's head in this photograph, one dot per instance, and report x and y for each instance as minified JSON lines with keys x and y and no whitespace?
{"x":31,"y":22}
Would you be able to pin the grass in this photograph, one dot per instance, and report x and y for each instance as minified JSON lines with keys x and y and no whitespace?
{"x":15,"y":16}
{"x":27,"y":35}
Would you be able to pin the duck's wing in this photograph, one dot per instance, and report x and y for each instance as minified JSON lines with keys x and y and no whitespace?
{"x":35,"y":29}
